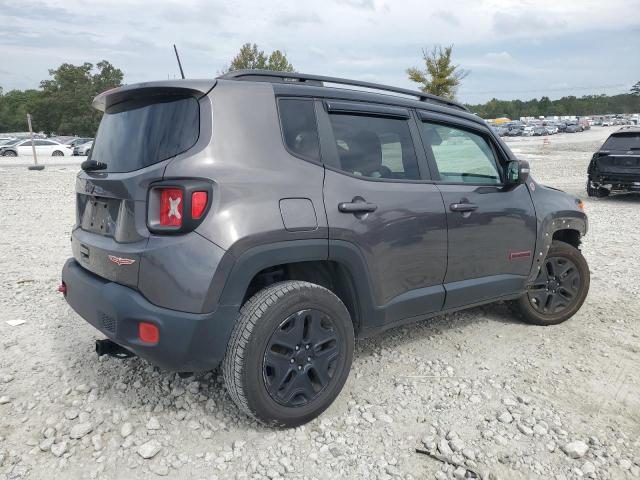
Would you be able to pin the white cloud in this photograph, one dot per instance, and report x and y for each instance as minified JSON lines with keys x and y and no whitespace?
{"x":498,"y":57}
{"x":372,"y":39}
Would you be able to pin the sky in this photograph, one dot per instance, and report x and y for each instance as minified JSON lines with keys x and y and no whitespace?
{"x":513,"y":49}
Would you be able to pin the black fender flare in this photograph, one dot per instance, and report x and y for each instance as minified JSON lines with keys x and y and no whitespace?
{"x":234,"y":274}
{"x":548,"y":226}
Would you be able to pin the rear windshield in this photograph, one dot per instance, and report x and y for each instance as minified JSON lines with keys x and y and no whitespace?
{"x":138,"y":133}
{"x":623,"y":141}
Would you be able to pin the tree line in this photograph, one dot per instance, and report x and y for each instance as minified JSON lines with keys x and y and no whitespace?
{"x":62,"y":104}
{"x":570,"y":105}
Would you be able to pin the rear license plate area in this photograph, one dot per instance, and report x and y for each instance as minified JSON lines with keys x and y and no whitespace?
{"x":102,"y":216}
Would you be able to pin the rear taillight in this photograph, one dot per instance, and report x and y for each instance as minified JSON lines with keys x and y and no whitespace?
{"x":171,"y":207}
{"x":198,"y":204}
{"x":178,"y":206}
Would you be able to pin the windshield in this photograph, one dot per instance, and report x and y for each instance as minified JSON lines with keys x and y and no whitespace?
{"x":623,"y":141}
{"x":140,"y":132}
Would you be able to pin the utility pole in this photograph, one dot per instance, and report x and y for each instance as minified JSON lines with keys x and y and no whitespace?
{"x":35,"y":165}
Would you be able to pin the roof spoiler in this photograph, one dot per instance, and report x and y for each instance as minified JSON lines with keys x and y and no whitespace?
{"x":117,"y":95}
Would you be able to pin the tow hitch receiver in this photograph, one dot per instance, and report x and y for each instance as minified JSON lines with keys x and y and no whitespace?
{"x":107,"y":347}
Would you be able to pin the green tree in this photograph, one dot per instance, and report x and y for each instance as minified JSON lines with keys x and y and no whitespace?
{"x":250,"y":57}
{"x":64,"y":107}
{"x":635,"y":90}
{"x":14,"y":106}
{"x":279,"y":63}
{"x":440,"y":77}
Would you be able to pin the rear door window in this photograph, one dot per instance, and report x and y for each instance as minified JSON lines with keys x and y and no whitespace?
{"x":374,"y":146}
{"x":137,"y":133}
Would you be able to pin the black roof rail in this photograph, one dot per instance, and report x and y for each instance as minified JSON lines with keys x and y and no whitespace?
{"x":319,"y":80}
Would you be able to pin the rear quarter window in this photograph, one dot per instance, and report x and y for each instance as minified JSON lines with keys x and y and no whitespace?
{"x":299,"y":127}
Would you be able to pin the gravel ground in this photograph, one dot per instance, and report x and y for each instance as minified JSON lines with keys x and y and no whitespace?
{"x":478,"y":388}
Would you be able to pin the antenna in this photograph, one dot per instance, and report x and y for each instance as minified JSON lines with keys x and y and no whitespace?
{"x":178,"y":58}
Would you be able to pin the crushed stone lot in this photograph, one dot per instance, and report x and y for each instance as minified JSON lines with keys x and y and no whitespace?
{"x":479,"y":389}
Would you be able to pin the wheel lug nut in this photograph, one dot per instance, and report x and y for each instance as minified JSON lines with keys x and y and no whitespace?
{"x":297,"y":347}
{"x":299,"y":367}
{"x":306,"y":347}
{"x":292,"y":360}
{"x":308,"y":359}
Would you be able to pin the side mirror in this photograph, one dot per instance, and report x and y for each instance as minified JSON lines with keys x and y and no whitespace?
{"x":517,"y":172}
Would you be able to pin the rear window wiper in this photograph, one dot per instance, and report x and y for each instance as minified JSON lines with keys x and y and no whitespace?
{"x":90,"y":165}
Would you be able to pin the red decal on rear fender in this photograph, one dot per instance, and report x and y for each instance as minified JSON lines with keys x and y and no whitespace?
{"x":519,"y":255}
{"x":121,"y":261}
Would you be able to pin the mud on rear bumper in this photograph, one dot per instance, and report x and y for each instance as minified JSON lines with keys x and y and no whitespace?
{"x":189,"y":342}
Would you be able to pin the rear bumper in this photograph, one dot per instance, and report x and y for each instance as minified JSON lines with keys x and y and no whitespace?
{"x":618,"y":181}
{"x":189,"y":342}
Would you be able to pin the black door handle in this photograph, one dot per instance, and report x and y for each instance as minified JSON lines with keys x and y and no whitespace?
{"x":463,"y":207}
{"x":357,"y":207}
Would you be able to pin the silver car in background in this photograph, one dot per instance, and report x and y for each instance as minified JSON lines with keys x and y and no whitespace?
{"x":83,"y":149}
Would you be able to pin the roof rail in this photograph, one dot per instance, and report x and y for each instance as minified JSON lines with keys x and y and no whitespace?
{"x":319,"y":80}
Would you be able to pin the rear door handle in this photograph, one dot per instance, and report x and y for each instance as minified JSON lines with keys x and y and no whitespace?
{"x":357,"y":207}
{"x":463,"y":207}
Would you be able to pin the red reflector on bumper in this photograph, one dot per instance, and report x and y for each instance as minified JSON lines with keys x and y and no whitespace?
{"x":62,"y":288}
{"x":148,"y":332}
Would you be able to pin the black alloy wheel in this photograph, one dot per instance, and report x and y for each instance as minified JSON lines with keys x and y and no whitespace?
{"x":557,"y":286}
{"x":300,"y":358}
{"x":560,"y":288}
{"x":289,"y":354}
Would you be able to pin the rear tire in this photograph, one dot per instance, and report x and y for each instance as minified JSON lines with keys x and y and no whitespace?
{"x":289,"y":354}
{"x":560,"y":288}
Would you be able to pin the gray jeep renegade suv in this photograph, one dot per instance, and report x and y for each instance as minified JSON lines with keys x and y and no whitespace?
{"x":260,"y":221}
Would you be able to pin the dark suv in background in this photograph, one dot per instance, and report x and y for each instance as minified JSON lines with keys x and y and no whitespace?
{"x":616,"y":165}
{"x":262,"y":220}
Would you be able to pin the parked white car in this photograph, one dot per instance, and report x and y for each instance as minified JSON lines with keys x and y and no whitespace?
{"x":44,"y":147}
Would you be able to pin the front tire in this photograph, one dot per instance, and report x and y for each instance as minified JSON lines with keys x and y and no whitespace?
{"x":560,"y":288}
{"x":9,"y":153}
{"x":289,"y":354}
{"x":58,"y":153}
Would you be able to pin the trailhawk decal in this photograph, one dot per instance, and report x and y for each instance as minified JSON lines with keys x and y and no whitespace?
{"x":120,"y":260}
{"x":519,"y":255}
